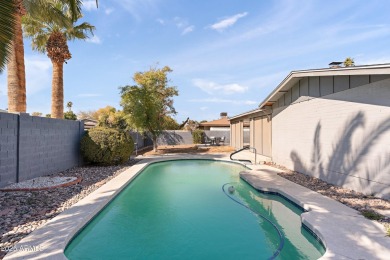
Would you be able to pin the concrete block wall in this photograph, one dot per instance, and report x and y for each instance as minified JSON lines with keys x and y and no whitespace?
{"x":175,"y":137}
{"x":216,"y":133}
{"x":47,"y":145}
{"x":342,"y":138}
{"x":8,"y":148}
{"x":44,"y":146}
{"x":138,"y":138}
{"x":142,"y":140}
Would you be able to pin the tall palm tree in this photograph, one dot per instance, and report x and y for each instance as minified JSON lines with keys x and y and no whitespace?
{"x":11,"y":42}
{"x":16,"y":70}
{"x":51,"y":37}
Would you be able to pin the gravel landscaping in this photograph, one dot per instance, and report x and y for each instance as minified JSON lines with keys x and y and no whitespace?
{"x":21,"y":212}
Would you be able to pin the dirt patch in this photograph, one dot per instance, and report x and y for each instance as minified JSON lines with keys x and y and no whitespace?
{"x":190,"y":149}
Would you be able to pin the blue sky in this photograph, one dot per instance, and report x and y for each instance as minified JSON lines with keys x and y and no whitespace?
{"x":226,"y":55}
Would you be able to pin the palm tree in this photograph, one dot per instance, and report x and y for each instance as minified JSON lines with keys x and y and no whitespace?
{"x":51,"y":37}
{"x":11,"y":42}
{"x":7,"y":25}
{"x":16,"y":70}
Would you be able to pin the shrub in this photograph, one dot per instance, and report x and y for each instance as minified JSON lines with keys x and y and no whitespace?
{"x":197,"y":136}
{"x":106,"y":146}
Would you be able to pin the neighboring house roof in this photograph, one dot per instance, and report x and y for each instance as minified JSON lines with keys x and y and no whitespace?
{"x":89,"y":123}
{"x":218,"y":122}
{"x":4,"y":111}
{"x":295,"y":76}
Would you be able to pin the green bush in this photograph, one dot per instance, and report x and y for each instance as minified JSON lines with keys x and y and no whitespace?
{"x":197,"y":136}
{"x":106,"y":146}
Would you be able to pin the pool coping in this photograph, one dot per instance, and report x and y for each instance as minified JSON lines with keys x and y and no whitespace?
{"x":345,"y":233}
{"x":50,"y":240}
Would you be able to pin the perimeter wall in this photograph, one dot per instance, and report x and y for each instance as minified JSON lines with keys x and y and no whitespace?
{"x":32,"y":146}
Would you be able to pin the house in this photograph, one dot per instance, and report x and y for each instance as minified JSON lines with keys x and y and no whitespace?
{"x":221,"y":124}
{"x":89,"y":123}
{"x":332,"y":123}
{"x":219,"y":128}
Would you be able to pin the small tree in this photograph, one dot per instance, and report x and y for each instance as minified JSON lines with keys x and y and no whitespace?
{"x":111,"y":118}
{"x":36,"y":114}
{"x":90,"y":114}
{"x":149,"y":101}
{"x":197,"y":136}
{"x":170,"y":123}
{"x":349,"y":62}
{"x":191,"y":125}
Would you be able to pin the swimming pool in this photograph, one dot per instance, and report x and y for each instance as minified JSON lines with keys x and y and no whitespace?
{"x":177,"y":209}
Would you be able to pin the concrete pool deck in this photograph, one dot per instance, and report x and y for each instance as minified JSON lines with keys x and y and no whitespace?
{"x":345,"y":233}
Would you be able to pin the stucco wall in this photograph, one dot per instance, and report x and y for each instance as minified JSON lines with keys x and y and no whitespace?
{"x":342,"y":138}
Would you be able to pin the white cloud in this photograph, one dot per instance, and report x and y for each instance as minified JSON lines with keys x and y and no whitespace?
{"x":188,"y":29}
{"x":95,"y":39}
{"x":109,"y":11}
{"x":227,"y":22}
{"x":220,"y":100}
{"x":38,"y":73}
{"x":89,"y":5}
{"x":160,"y":21}
{"x":180,"y":22}
{"x":204,"y":108}
{"x":211,"y":87}
{"x":86,"y":95}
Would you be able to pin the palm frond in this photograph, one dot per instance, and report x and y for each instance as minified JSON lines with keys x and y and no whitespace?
{"x":47,"y":9}
{"x":80,"y":31}
{"x":7,"y":25}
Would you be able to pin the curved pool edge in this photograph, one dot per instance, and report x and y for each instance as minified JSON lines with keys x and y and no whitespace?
{"x":344,"y":232}
{"x":50,"y":240}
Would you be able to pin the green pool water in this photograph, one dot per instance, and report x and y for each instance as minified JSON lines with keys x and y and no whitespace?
{"x":177,"y":210}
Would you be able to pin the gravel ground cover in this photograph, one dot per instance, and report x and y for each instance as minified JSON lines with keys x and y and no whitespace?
{"x":21,"y":212}
{"x":41,"y":183}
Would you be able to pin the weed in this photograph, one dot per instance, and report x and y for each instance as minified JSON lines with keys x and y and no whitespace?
{"x":371,"y":215}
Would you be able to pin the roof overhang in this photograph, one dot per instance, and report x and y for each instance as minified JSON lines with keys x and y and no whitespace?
{"x":243,"y":115}
{"x":295,"y":76}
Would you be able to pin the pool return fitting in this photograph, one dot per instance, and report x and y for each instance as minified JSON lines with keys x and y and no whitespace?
{"x":230,"y":191}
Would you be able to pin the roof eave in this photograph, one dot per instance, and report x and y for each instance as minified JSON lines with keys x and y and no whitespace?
{"x":294,"y":76}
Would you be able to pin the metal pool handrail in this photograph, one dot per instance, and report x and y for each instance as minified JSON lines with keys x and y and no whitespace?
{"x":242,"y":149}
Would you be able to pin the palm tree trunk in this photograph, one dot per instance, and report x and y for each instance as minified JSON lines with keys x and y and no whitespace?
{"x":57,"y":94}
{"x":16,"y":72}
